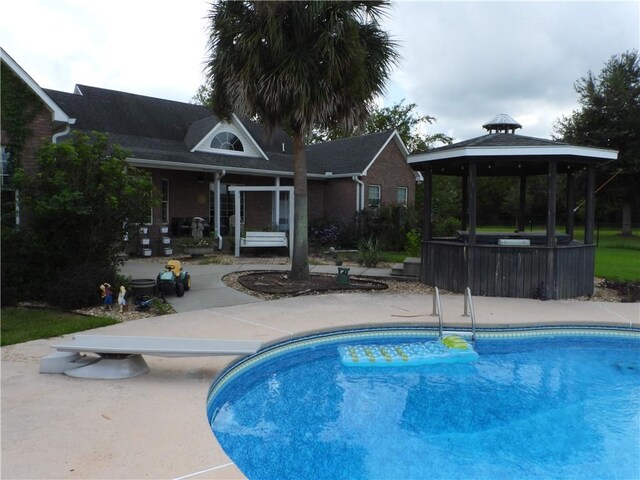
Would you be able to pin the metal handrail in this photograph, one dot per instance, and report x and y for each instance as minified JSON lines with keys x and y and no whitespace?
{"x":437,"y":308}
{"x":468,"y":308}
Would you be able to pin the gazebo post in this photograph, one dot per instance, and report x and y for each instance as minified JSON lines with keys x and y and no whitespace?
{"x":550,"y":286}
{"x":551,"y":203}
{"x":571,"y":187}
{"x":473,"y":183}
{"x":523,"y":203}
{"x":590,"y":207}
{"x":465,"y":200}
{"x":427,"y":231}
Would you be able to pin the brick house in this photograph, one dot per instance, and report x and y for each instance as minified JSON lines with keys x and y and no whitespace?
{"x":195,"y":159}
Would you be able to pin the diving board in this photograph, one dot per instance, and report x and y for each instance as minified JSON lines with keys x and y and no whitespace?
{"x":121,"y":356}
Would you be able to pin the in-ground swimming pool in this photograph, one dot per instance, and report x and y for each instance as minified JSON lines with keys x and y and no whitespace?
{"x":544,"y":403}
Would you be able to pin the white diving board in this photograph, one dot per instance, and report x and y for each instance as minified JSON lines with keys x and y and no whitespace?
{"x":121,"y":356}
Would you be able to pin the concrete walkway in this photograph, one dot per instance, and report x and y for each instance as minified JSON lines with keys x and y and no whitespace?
{"x":155,"y":426}
{"x":209,"y":291}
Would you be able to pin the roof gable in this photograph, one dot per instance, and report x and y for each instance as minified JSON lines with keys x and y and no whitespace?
{"x":351,"y":155}
{"x":57,"y":114}
{"x":212,"y":127}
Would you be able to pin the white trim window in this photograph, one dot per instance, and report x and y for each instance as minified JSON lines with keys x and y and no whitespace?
{"x":402,"y":196}
{"x":374,"y":196}
{"x":226,"y":141}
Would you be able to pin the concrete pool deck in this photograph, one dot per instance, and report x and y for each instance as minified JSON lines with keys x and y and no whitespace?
{"x":155,"y":426}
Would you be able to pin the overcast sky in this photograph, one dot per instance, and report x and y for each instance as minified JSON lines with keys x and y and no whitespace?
{"x":462,"y":62}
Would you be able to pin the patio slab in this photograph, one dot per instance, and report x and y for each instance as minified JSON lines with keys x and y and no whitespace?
{"x":155,"y":426}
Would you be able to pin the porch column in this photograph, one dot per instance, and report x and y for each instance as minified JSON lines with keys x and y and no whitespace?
{"x":276,"y":196}
{"x":238,"y":221}
{"x":590,"y":209}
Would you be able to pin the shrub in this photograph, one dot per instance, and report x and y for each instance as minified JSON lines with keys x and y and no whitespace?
{"x":79,"y":286}
{"x":413,"y":245}
{"x":25,"y":267}
{"x":323,"y":232}
{"x":446,"y":227}
{"x":369,"y":252}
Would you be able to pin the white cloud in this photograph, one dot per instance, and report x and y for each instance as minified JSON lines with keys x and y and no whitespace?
{"x":463,"y":62}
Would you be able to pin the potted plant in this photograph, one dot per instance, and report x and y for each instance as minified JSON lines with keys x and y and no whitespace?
{"x":197,"y":248}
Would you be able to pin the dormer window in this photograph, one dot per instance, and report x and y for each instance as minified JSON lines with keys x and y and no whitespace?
{"x":227,"y":141}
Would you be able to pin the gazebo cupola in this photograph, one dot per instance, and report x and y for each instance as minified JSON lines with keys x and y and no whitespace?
{"x":502,"y":123}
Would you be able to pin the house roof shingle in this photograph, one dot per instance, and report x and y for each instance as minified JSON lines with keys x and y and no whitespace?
{"x":161,"y":130}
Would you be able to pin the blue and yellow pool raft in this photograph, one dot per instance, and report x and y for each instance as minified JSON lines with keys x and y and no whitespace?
{"x":448,"y":349}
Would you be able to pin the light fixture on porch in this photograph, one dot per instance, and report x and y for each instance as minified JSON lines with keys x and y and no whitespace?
{"x":200,"y":178}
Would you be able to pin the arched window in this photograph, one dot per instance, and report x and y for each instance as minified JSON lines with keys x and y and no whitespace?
{"x":227,"y":141}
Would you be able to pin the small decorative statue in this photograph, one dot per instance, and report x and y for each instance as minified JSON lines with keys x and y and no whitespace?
{"x":107,"y":296}
{"x":197,"y":228}
{"x":121,"y":300}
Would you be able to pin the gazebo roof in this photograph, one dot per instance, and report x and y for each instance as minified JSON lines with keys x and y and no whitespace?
{"x":508,"y":154}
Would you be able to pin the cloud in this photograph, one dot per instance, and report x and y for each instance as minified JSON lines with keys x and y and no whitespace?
{"x":464,"y":62}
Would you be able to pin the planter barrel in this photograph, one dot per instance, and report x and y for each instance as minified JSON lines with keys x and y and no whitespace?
{"x":142,"y":286}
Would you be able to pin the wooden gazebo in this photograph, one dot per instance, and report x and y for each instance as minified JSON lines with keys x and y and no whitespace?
{"x":546,"y":265}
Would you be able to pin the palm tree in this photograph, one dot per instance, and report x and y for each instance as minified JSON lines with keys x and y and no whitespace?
{"x":298,"y":65}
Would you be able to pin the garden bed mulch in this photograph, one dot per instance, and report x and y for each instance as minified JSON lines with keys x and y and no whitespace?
{"x":279,"y":283}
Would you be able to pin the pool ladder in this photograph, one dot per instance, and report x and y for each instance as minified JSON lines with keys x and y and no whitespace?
{"x":468,"y":312}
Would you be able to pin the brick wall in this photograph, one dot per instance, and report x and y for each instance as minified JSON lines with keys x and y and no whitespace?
{"x":340,"y":200}
{"x":390,"y":171}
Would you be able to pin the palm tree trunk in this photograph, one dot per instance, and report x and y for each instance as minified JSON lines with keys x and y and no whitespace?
{"x":300,"y":259}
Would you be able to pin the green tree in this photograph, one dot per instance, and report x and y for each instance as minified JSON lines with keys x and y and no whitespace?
{"x":81,"y":203}
{"x":298,"y":65}
{"x":609,"y":116}
{"x":400,"y":117}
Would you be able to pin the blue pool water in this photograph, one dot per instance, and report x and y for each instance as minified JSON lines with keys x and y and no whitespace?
{"x":564,"y":407}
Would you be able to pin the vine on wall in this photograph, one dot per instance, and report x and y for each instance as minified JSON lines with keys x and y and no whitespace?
{"x":19,"y":107}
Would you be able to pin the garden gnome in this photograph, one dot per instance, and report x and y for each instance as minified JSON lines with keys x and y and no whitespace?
{"x":121,"y":300}
{"x":107,"y":296}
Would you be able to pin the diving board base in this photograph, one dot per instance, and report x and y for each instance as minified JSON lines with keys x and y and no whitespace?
{"x":112,"y":368}
{"x":60,"y":362}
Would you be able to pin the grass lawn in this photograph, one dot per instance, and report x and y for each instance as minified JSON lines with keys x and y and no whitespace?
{"x":19,"y":325}
{"x":617,"y":257}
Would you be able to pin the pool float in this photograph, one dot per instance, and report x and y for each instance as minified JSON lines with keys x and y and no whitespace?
{"x":448,"y":349}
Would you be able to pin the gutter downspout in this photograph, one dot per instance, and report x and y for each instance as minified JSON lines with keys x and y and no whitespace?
{"x":216,"y":220}
{"x":359,"y":193}
{"x":67,"y":129}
